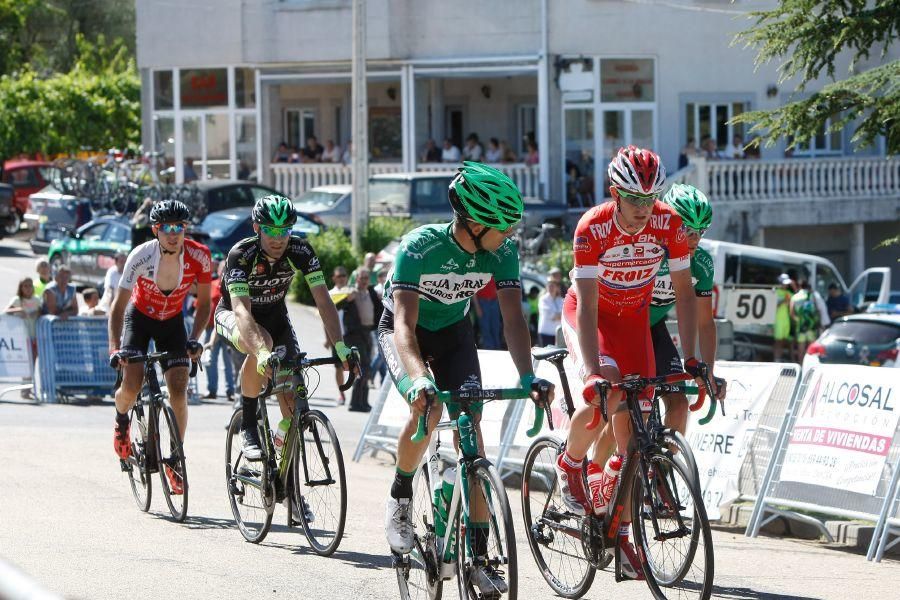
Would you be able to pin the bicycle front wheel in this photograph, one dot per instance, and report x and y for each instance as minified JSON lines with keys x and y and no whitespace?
{"x":172,"y":466}
{"x":320,"y":485}
{"x":137,"y":465}
{"x":251,"y":504}
{"x":683,"y":452}
{"x":671,"y":526}
{"x":497,"y":555}
{"x":554,"y":535}
{"x":419,"y":576}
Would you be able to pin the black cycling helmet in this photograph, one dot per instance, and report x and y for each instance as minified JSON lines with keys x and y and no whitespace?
{"x":170,"y":211}
{"x":274,"y":210}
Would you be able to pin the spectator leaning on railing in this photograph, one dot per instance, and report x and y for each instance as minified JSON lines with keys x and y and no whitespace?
{"x":60,"y":297}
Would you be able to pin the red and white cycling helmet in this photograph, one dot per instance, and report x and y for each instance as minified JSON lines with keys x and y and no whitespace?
{"x":637,"y":170}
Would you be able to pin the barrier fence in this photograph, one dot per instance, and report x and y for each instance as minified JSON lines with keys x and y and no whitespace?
{"x":841,"y":459}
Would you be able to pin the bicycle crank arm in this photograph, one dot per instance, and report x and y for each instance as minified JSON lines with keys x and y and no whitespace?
{"x":574,"y":532}
{"x":678,"y":533}
{"x":318,"y":482}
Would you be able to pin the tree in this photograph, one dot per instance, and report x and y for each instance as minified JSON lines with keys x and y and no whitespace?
{"x":809,"y":36}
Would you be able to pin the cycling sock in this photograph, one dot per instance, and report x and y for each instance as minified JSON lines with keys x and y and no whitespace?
{"x":402,"y":487}
{"x":122,"y":419}
{"x":480,"y":533}
{"x":248,"y":418}
{"x":571,"y":462}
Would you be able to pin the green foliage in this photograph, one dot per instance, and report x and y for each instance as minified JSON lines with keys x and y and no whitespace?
{"x":96,"y":104}
{"x":333,"y":247}
{"x":381,"y":230}
{"x":808,"y":36}
{"x":559,"y":254}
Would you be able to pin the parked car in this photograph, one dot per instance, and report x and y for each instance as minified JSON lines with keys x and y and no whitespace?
{"x":224,"y":228}
{"x":870,"y":338}
{"x":26,"y":177}
{"x":8,"y":219}
{"x":422,"y":196}
{"x":331,"y":203}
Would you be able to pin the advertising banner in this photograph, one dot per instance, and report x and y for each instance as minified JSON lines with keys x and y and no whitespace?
{"x":845,"y":423}
{"x":15,"y":351}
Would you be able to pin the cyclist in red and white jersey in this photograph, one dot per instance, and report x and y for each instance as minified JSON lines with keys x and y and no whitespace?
{"x":618,"y":248}
{"x":157,"y":276}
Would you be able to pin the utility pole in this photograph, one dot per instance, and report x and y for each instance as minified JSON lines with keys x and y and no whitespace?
{"x":360,"y":125}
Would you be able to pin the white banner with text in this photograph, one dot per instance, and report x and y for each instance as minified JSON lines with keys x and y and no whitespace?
{"x":15,"y":349}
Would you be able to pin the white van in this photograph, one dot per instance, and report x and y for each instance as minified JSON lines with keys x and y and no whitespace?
{"x":746,"y":278}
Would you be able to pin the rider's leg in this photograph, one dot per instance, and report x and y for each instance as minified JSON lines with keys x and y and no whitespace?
{"x":132,"y":381}
{"x":676,"y":412}
{"x":176,"y":384}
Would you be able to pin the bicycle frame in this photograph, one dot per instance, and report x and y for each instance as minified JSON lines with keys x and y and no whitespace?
{"x":154,"y":404}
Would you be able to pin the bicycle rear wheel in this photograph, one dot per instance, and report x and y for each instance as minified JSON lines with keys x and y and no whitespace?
{"x":501,"y":543}
{"x":251,"y":505}
{"x":320,"y":490}
{"x":137,"y":465}
{"x":172,"y":466}
{"x":554,"y":535}
{"x":685,"y":454}
{"x":670,"y":525}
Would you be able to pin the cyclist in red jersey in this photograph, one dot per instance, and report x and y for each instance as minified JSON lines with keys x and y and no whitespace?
{"x":157,"y":276}
{"x":618,"y":248}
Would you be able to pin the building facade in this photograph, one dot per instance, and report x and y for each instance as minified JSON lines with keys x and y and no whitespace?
{"x":226,"y":82}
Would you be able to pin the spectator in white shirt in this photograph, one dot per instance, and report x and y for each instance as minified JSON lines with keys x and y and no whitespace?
{"x":332,"y":153}
{"x":473,"y":149}
{"x":735,"y":149}
{"x":550,"y":313}
{"x":450,"y":153}
{"x":494,"y":154}
{"x":111,"y":281}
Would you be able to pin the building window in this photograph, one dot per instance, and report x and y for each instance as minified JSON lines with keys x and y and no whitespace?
{"x":244,"y":88}
{"x":626,"y":80}
{"x":299,"y":124}
{"x":822,"y":144}
{"x":526,"y":126}
{"x":712,"y":119}
{"x":204,"y":88}
{"x":162,"y":90}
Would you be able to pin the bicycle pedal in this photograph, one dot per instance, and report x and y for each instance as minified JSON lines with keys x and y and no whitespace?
{"x":126,"y":466}
{"x":400,"y":561}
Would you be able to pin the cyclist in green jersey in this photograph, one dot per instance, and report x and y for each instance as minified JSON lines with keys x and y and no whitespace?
{"x":696,"y":215}
{"x":425,"y":335}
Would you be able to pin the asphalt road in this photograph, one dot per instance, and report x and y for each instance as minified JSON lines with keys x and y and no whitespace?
{"x":68,"y":520}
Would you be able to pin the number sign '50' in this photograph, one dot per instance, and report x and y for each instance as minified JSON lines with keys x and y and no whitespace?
{"x":751,"y":305}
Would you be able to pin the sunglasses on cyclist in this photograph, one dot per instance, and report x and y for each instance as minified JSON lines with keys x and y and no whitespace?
{"x":276,"y":232}
{"x":690,"y":232}
{"x":172,"y":227}
{"x":638,"y":200}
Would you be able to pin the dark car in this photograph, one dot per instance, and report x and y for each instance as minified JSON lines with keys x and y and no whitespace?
{"x":224,"y":228}
{"x":54,"y":214}
{"x":871,"y":338}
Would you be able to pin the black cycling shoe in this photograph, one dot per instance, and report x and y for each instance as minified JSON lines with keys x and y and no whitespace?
{"x":250,"y":445}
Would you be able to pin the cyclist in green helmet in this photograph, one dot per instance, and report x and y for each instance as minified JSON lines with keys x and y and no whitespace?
{"x":425,"y":335}
{"x":252,"y":315}
{"x":696,"y":215}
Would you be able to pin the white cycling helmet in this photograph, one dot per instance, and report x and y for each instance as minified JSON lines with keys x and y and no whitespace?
{"x":637,"y":170}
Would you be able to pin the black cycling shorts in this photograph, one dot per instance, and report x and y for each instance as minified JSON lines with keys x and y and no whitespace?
{"x":450,"y":353}
{"x":277,"y":323}
{"x":169,"y":336}
{"x":668,"y":361}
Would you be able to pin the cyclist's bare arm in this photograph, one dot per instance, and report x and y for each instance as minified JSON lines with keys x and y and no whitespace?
{"x":707,"y":336}
{"x":329,"y":315}
{"x":252,"y":339}
{"x":515,"y":329}
{"x":116,"y":318}
{"x":586,"y":319}
{"x":686,"y":309}
{"x":406,"y":316}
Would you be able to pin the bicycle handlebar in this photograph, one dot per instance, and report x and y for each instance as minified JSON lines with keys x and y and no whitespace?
{"x":301,"y":362}
{"x":483,"y":394}
{"x":637,"y":385}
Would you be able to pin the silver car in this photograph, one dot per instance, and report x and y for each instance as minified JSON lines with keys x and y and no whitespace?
{"x":331,"y":203}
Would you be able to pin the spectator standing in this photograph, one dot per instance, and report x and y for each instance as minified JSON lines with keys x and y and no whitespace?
{"x":450,"y":154}
{"x":60,"y":298}
{"x":473,"y":150}
{"x":487,"y":309}
{"x":506,"y":153}
{"x":44,"y":277}
{"x":282,"y":154}
{"x":339,"y":294}
{"x":91,"y":306}
{"x":709,"y":149}
{"x":369,"y":264}
{"x":313,"y":150}
{"x":550,"y":313}
{"x":189,"y":173}
{"x":805,"y":314}
{"x":838,"y":304}
{"x":332,"y":153}
{"x":431,"y":153}
{"x":362,"y":311}
{"x":735,"y":149}
{"x":782,"y":328}
{"x":216,"y":345}
{"x":27,"y":306}
{"x":689,"y":150}
{"x":111,"y":281}
{"x":493,"y":153}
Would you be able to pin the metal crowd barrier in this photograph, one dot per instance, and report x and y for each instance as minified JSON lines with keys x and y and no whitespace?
{"x":73,"y":357}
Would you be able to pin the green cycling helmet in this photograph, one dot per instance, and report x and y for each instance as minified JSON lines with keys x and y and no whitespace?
{"x":274,"y":210}
{"x":487,"y":196}
{"x":691,"y":205}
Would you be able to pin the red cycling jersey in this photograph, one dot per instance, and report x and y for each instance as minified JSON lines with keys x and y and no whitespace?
{"x":141,"y":271}
{"x":625,"y":264}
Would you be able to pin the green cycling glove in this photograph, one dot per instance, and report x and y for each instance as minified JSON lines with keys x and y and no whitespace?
{"x":419,"y":383}
{"x":262,"y":359}
{"x":342,"y":351}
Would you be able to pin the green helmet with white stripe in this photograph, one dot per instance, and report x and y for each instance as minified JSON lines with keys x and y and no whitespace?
{"x":274,"y":210}
{"x":691,"y":205}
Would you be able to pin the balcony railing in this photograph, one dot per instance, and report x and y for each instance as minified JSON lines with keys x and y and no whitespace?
{"x":845,"y":177}
{"x":294,"y":179}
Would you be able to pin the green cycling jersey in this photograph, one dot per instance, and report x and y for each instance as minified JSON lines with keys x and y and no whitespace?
{"x":664,"y":293}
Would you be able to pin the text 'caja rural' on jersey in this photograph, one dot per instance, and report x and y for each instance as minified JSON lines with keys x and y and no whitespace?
{"x":431,"y":263}
{"x":664,"y":292}
{"x":626,"y":264}
{"x":142,"y":270}
{"x":250,"y":273}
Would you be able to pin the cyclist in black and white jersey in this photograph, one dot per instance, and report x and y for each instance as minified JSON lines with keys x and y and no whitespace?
{"x":252,"y":314}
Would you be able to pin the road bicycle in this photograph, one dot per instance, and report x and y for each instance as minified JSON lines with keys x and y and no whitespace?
{"x":155,"y":449}
{"x":478,"y":493}
{"x":669,"y":522}
{"x":308,"y":474}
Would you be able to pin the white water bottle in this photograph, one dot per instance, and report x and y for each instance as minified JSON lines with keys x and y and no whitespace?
{"x":280,"y":434}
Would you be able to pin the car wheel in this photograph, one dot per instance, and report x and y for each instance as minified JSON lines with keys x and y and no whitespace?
{"x":13,"y":225}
